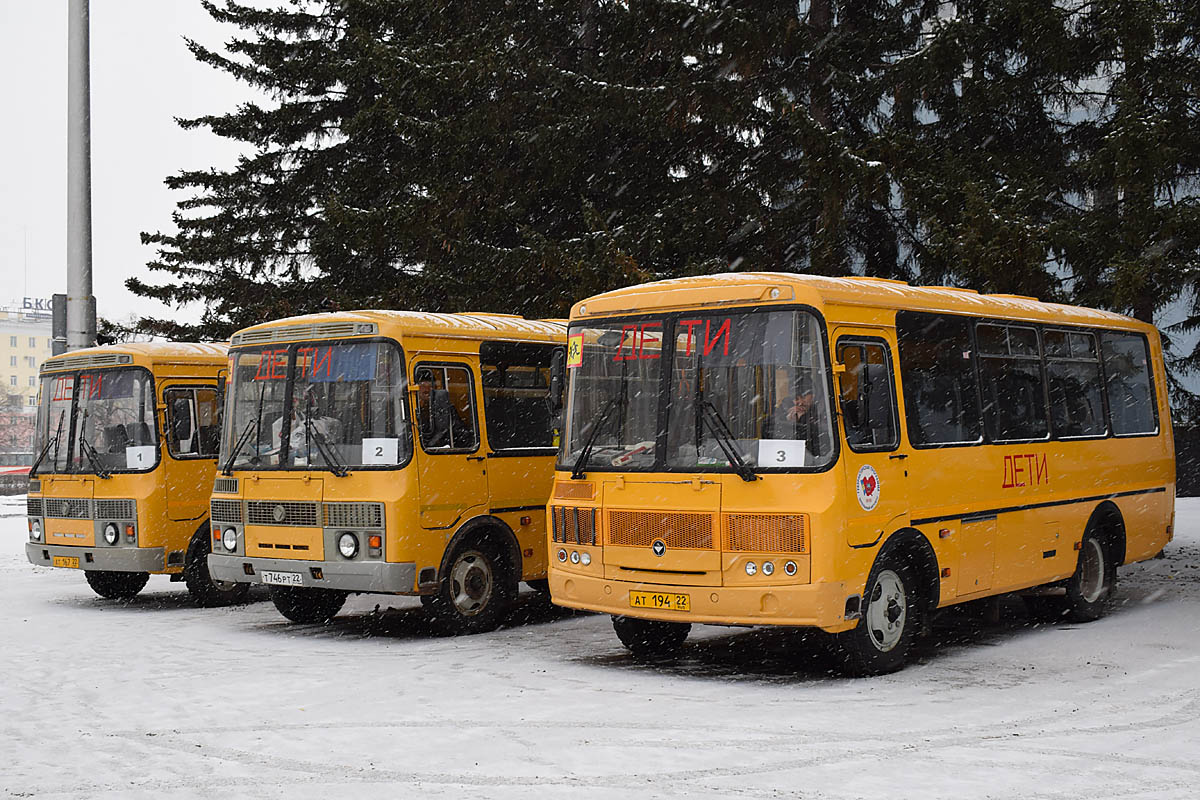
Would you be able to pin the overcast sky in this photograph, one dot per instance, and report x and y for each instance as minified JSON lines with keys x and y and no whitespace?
{"x":143,"y":77}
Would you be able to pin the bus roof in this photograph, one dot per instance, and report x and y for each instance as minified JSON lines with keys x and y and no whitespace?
{"x":144,"y":353}
{"x":755,"y":289}
{"x":338,"y":324}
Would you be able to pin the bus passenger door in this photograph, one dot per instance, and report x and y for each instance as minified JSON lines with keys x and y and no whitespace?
{"x":450,"y":463}
{"x":873,"y":458}
{"x":191,"y":430}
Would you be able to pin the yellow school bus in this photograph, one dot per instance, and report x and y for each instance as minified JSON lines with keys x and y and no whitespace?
{"x":850,"y":454}
{"x":389,"y":452}
{"x":126,"y":447}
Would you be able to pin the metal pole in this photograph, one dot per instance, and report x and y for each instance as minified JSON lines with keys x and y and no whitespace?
{"x":81,"y":303}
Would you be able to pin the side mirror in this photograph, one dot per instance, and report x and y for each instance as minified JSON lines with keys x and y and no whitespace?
{"x":558,"y":380}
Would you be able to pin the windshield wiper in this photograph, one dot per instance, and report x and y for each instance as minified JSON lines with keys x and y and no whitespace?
{"x":51,"y":442}
{"x":331,"y":460}
{"x":605,"y":414}
{"x":256,"y":424}
{"x":237,"y":448}
{"x":727,"y":442}
{"x":93,"y":457}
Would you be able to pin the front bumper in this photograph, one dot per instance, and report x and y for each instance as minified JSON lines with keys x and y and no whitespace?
{"x":819,"y":605}
{"x":350,"y":576}
{"x":104,"y":559}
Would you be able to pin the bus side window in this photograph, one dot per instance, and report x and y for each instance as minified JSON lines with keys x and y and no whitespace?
{"x":867,"y":401}
{"x":1073,"y":380}
{"x":516,"y":394}
{"x":208,"y":422}
{"x":444,"y":408}
{"x":181,"y":422}
{"x":938,"y":375}
{"x":1010,"y":376}
{"x":1130,"y":393}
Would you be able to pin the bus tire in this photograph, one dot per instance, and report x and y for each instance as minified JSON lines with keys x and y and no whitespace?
{"x":208,"y":593}
{"x":890,"y":619}
{"x":1090,"y":588}
{"x":116,"y":585}
{"x":649,"y":639}
{"x":476,"y":591}
{"x":306,"y":605}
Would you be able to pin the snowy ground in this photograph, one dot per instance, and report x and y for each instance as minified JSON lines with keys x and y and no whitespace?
{"x":155,"y":697}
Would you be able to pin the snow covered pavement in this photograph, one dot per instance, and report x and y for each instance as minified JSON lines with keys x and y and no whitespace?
{"x":156,"y":698}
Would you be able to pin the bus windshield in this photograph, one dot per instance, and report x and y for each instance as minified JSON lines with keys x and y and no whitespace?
{"x":746,"y":390}
{"x":331,"y":406}
{"x":97,"y":422}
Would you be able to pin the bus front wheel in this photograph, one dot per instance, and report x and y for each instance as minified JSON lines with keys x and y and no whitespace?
{"x":116,"y":585}
{"x":309,"y":606}
{"x":200,"y":584}
{"x":879,"y":643}
{"x":651,"y":639}
{"x":476,"y":592}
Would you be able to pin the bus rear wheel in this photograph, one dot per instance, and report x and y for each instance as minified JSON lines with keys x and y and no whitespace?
{"x":476,"y":592}
{"x":879,"y":643}
{"x":116,"y":585}
{"x":1088,"y":590}
{"x":650,"y":639}
{"x":200,"y":584}
{"x":308,"y":606}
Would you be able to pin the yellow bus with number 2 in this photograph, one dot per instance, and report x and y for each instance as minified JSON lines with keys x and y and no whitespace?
{"x":389,"y":452}
{"x":851,"y":454}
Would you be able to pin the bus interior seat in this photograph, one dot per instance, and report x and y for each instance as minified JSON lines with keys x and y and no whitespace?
{"x":116,"y":438}
{"x":139,"y":434}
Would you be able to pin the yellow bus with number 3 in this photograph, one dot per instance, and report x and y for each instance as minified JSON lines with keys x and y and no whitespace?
{"x":851,"y":454}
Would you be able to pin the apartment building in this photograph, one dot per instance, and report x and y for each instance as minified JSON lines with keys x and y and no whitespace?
{"x":24,"y":344}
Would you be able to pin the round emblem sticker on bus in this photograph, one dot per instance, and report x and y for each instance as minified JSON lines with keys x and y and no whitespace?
{"x":868,"y":487}
{"x":279,"y":513}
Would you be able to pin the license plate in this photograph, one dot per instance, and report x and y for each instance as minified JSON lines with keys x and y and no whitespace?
{"x":663,"y":600}
{"x":282,"y":578}
{"x":66,"y":561}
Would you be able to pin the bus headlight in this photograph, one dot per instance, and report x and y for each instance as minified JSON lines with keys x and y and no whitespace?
{"x":585,"y":558}
{"x":768,"y":568}
{"x":751,"y":568}
{"x":35,"y":530}
{"x":111,"y":533}
{"x":348,"y":545}
{"x":229,"y":539}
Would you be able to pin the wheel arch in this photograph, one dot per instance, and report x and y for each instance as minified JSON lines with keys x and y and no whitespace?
{"x":913,"y":547}
{"x":1108,"y":524}
{"x":201,"y":533}
{"x":484,"y":528}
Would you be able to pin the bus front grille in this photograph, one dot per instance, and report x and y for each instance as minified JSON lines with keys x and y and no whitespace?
{"x":353,"y":515}
{"x":274,"y":512}
{"x":687,"y":530}
{"x":573,"y":525}
{"x":33,"y":506}
{"x":226,"y":511}
{"x":766,"y":533}
{"x":116,"y":509}
{"x":68,"y":508}
{"x":225,"y":485}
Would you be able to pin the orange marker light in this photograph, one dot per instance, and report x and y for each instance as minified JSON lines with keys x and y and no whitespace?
{"x":375,"y":540}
